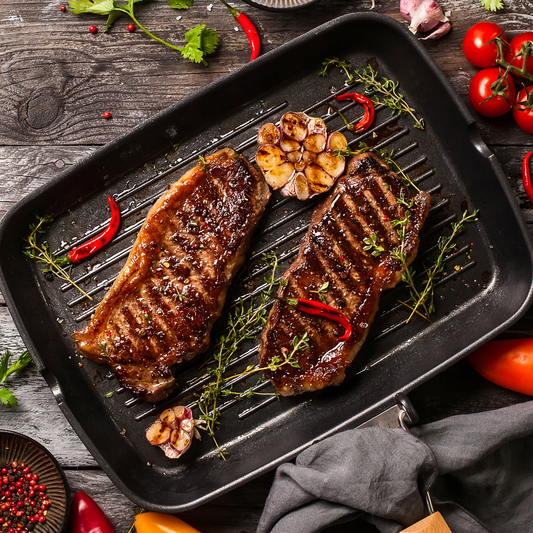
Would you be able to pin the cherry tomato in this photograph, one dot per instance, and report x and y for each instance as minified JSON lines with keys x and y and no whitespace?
{"x":516,"y":45}
{"x":475,"y":47}
{"x":523,"y":117}
{"x":480,"y":90}
{"x":507,"y":363}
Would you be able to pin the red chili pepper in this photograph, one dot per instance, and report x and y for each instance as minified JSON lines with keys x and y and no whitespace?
{"x":526,"y":176}
{"x":248,"y":26}
{"x":87,"y":517}
{"x":368,"y":117}
{"x":312,"y":307}
{"x":98,"y":242}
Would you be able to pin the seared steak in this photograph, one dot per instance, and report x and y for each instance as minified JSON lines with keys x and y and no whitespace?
{"x":160,"y":310}
{"x":350,"y":244}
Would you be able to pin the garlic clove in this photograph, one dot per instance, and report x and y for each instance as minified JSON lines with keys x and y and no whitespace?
{"x":269,"y":156}
{"x":331,"y":163}
{"x":294,"y":125}
{"x":423,"y":15}
{"x":269,"y":134}
{"x":301,"y":187}
{"x":442,"y":28}
{"x":337,"y":141}
{"x":315,"y":143}
{"x":318,"y":179}
{"x":280,"y":175}
{"x":289,"y":145}
{"x":158,"y":434}
{"x":294,"y":157}
{"x":167,"y":417}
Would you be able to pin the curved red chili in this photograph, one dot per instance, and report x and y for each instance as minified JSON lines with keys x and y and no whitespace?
{"x":368,"y":117}
{"x":312,"y":307}
{"x":98,"y":242}
{"x":248,"y":26}
{"x":526,"y":176}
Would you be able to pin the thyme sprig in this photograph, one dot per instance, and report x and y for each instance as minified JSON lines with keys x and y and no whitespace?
{"x":423,"y":299}
{"x":58,"y":266}
{"x":343,"y":65}
{"x":387,"y":88}
{"x":243,"y":324}
{"x":391,"y":98}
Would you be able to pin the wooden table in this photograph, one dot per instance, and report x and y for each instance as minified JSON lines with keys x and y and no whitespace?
{"x":57,"y":79}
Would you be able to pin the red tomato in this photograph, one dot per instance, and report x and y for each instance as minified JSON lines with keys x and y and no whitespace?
{"x":516,"y":45}
{"x":523,"y":117}
{"x":507,"y":363}
{"x":475,"y":47}
{"x":480,"y":90}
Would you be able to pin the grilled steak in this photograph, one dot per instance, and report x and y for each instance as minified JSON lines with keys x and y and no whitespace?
{"x":350,"y":244}
{"x":160,"y":310}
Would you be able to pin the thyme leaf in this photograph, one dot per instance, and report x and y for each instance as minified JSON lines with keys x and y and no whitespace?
{"x":58,"y":266}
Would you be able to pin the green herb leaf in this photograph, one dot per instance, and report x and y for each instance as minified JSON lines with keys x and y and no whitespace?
{"x":99,"y":7}
{"x":111,"y":19}
{"x":23,"y":360}
{"x":492,"y":5}
{"x":180,"y":4}
{"x":200,"y":41}
{"x":7,"y":397}
{"x":3,"y":365}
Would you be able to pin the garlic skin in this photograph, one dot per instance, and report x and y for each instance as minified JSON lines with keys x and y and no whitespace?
{"x":425,"y":15}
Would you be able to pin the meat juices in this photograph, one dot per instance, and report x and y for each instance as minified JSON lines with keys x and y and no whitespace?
{"x":363,"y":205}
{"x":161,"y":308}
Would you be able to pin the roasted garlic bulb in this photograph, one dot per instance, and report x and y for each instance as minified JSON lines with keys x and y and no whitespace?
{"x":173,"y":431}
{"x":299,"y":157}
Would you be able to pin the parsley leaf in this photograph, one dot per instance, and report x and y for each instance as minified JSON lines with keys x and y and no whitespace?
{"x":7,"y":397}
{"x":99,"y":7}
{"x":200,"y":41}
{"x":180,"y":4}
{"x":492,"y":5}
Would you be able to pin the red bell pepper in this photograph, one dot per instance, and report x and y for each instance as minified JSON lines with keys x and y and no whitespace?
{"x":87,"y":517}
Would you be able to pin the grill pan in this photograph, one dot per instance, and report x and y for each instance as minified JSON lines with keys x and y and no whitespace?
{"x":487,"y":284}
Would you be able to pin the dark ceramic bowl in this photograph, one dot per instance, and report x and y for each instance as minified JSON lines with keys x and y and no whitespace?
{"x":22,"y":449}
{"x":280,"y":5}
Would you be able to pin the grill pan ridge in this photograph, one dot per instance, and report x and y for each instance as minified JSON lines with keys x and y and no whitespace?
{"x":487,"y":284}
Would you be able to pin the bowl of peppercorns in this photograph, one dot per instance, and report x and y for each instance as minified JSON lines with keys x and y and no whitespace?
{"x":34,"y":492}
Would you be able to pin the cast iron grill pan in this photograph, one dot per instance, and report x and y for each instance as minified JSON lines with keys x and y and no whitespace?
{"x":486,"y":287}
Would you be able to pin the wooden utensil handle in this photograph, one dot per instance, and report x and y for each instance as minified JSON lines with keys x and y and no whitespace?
{"x":434,"y":523}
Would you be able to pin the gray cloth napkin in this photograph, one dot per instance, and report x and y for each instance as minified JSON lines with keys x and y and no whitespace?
{"x":479,"y":468}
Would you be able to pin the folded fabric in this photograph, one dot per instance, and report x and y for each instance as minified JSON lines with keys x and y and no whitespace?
{"x":479,"y":468}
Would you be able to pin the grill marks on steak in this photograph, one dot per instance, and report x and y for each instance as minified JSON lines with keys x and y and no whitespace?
{"x":160,"y":310}
{"x":364,"y":202}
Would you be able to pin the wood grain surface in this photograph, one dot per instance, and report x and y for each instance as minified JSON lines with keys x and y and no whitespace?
{"x":56,"y":80}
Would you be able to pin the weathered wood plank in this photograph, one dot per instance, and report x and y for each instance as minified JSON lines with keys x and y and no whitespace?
{"x":57,"y":78}
{"x":37,"y":413}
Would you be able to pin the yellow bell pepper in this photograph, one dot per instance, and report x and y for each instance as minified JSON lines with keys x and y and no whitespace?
{"x":161,"y":523}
